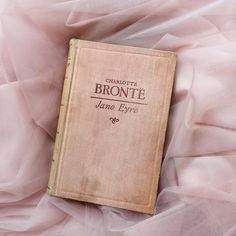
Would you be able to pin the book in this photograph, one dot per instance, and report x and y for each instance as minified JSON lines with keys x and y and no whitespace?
{"x":112,"y":124}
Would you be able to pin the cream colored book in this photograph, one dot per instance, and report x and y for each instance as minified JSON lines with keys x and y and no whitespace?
{"x":112,"y":125}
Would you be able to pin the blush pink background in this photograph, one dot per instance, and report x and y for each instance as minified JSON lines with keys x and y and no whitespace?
{"x":198,"y":180}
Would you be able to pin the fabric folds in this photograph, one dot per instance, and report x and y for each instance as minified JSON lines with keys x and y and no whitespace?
{"x":197,"y":194}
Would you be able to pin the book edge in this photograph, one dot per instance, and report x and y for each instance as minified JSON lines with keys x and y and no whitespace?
{"x":52,"y":182}
{"x":158,"y":52}
{"x":164,"y":124}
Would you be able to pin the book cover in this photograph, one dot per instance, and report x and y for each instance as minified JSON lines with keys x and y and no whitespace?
{"x":112,"y":125}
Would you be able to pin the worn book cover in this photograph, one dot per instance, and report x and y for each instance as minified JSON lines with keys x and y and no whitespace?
{"x":112,"y":125}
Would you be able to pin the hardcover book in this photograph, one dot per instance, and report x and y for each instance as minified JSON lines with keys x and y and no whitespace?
{"x":112,"y":125}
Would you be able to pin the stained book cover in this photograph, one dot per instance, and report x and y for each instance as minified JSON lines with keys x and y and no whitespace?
{"x":112,"y":125}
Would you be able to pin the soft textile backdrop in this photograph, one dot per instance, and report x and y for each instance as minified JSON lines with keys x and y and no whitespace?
{"x":198,"y":181}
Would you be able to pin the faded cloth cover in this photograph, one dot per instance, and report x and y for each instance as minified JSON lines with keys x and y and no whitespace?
{"x":112,"y":125}
{"x":198,"y":178}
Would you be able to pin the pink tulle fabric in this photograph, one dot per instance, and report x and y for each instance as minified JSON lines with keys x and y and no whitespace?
{"x":197,"y":194}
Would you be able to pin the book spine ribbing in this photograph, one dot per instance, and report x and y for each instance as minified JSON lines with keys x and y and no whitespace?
{"x":51,"y":189}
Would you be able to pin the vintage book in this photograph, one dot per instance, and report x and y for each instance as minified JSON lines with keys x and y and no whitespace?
{"x":112,"y":124}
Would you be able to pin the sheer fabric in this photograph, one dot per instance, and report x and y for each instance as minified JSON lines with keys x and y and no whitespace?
{"x":197,"y":193}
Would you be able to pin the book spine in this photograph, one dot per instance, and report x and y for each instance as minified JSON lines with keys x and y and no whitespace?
{"x":51,"y":189}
